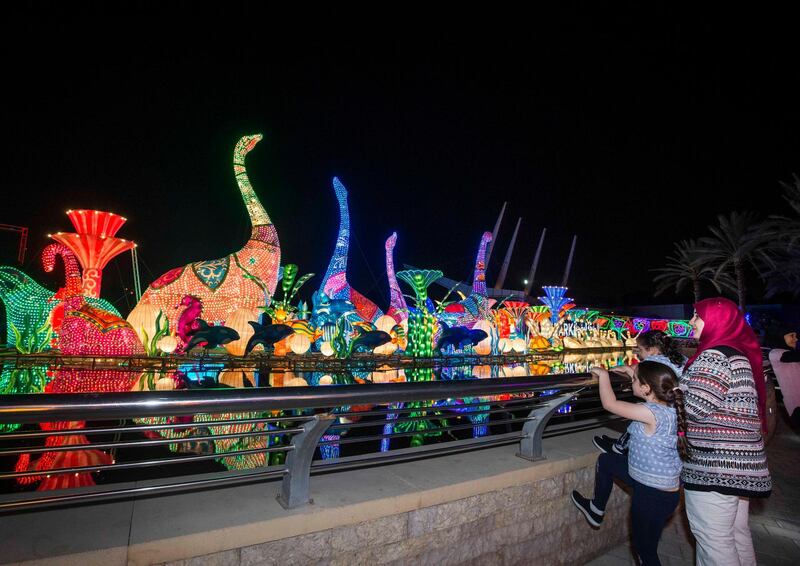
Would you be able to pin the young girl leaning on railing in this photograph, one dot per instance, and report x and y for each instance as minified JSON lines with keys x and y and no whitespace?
{"x":652,"y":466}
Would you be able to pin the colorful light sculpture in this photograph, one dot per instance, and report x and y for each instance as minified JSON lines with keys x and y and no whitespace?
{"x":87,"y":330}
{"x":555,"y":298}
{"x":398,"y":309}
{"x":475,"y":307}
{"x":421,"y":322}
{"x":28,"y":309}
{"x":239,"y":280}
{"x":94,"y":244}
{"x":335,"y":284}
{"x":479,"y":274}
{"x":32,"y":310}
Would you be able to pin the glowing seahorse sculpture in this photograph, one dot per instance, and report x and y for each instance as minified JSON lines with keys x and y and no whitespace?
{"x":398,"y":309}
{"x":335,"y":284}
{"x":476,"y":306}
{"x":239,"y":280}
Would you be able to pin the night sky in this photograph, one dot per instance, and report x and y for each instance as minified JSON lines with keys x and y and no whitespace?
{"x":629,"y":140}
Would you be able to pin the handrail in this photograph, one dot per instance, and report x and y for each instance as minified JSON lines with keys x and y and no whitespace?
{"x":539,"y":397}
{"x":34,"y":408}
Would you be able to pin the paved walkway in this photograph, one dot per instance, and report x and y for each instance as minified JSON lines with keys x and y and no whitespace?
{"x":774,"y":522}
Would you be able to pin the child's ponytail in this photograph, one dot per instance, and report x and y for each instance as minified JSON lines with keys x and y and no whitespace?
{"x":680,"y":412}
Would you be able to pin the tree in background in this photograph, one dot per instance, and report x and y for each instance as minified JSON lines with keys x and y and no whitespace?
{"x":780,"y":235}
{"x":688,"y":266}
{"x":736,"y":242}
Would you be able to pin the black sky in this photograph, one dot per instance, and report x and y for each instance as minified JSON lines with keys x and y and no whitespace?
{"x":631,"y":140}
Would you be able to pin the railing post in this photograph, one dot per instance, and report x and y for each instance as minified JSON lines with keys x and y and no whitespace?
{"x":530,"y":446}
{"x":294,"y":489}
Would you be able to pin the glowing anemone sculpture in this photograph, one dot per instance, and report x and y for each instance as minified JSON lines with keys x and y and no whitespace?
{"x":514,"y":313}
{"x":555,"y":298}
{"x":239,"y":280}
{"x":421,"y":322}
{"x":94,"y":244}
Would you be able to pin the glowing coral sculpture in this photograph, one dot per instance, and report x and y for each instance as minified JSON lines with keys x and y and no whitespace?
{"x":94,"y":244}
{"x":555,"y":298}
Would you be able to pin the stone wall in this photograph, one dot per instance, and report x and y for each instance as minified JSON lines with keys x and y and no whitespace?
{"x":535,"y":523}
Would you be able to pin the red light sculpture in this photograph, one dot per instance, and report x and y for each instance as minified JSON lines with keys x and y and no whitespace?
{"x":94,"y":244}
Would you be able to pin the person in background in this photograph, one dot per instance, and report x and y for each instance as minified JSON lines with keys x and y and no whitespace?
{"x":653,"y":464}
{"x":652,"y":345}
{"x":725,"y":409}
{"x":793,"y":355}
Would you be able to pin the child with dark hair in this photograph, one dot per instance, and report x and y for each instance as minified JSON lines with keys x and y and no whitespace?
{"x":653,"y":465}
{"x":653,"y":345}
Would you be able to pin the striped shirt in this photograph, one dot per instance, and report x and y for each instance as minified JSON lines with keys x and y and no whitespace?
{"x":724,"y":429}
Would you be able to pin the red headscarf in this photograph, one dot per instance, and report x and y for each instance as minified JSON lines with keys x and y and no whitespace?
{"x":725,"y":326}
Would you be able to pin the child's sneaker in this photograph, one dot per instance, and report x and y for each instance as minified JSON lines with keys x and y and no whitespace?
{"x":607,"y":445}
{"x":603,"y":443}
{"x":593,"y":515}
{"x":621,"y":444}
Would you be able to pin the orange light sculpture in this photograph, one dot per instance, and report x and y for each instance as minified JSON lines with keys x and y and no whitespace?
{"x":94,"y":244}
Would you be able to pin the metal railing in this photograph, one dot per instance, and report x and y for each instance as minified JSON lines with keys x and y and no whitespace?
{"x":266,"y":424}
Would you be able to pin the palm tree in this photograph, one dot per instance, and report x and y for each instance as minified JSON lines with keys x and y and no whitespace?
{"x":780,"y":236}
{"x":686,"y":266}
{"x":735,"y":242}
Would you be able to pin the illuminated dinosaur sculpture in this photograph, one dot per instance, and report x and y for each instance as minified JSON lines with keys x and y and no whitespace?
{"x":239,"y":280}
{"x":334,"y":285}
{"x":398,"y":309}
{"x":475,"y":307}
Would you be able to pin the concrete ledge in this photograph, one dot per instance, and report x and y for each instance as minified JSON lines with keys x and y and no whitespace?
{"x":215,"y":525}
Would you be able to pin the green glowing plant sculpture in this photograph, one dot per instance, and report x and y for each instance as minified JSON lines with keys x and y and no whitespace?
{"x":421,"y":321}
{"x":21,"y":380}
{"x":30,"y":338}
{"x":282,"y":310}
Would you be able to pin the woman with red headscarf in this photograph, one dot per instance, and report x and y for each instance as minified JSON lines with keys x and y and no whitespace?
{"x":725,"y":410}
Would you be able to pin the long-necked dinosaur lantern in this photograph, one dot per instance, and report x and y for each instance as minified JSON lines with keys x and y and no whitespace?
{"x":232,"y":302}
{"x":241,"y":279}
